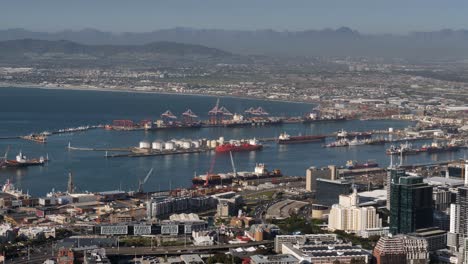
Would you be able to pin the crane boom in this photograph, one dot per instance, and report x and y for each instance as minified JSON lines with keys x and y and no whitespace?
{"x":232,"y":163}
{"x":147,"y":176}
{"x":140,"y":182}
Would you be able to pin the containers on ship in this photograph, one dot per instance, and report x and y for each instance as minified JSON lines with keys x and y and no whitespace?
{"x":144,"y":145}
{"x":169,"y":145}
{"x":157,"y":145}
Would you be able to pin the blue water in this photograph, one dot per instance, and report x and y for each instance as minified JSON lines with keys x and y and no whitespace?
{"x":26,"y":110}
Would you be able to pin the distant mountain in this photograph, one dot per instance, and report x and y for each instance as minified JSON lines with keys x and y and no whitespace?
{"x":328,"y":42}
{"x":24,"y":46}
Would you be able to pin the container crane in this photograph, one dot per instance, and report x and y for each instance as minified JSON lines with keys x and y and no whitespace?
{"x":140,"y":182}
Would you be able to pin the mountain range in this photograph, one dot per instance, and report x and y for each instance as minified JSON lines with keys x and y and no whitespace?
{"x":442,"y":44}
{"x":38,"y":46}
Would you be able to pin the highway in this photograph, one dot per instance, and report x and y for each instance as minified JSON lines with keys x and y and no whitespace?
{"x":178,"y":250}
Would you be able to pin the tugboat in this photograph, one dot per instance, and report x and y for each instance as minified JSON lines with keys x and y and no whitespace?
{"x":284,"y":138}
{"x":237,"y":146}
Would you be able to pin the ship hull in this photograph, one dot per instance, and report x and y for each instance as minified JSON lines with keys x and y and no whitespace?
{"x":240,"y":148}
{"x":308,"y":121}
{"x":301,"y":140}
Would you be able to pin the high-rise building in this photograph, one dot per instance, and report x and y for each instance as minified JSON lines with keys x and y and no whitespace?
{"x":313,"y":173}
{"x":328,"y":191}
{"x":392,"y":173}
{"x":459,"y":220}
{"x":410,"y":204}
{"x":347,"y":215}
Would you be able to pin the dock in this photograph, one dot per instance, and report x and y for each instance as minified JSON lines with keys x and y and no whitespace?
{"x":157,"y":153}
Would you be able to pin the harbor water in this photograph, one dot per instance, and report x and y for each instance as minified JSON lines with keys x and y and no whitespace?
{"x":27,"y":110}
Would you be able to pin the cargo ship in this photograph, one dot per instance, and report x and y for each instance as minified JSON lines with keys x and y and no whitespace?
{"x":437,"y":147}
{"x":351,"y":165}
{"x":353,"y":135}
{"x":237,"y":146}
{"x":284,"y":138}
{"x":403,"y":149}
{"x":260,"y":172}
{"x":21,"y":161}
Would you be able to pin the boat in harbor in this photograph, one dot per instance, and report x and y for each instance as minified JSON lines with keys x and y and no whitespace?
{"x":403,"y":149}
{"x":238,"y":146}
{"x":436,"y":147}
{"x":21,"y":161}
{"x":339,"y":143}
{"x":351,"y":165}
{"x":357,"y":142}
{"x":260,"y":172}
{"x":284,"y":138}
{"x":351,"y":135}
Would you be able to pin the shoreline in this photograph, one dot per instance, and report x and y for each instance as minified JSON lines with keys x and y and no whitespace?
{"x":127,"y":90}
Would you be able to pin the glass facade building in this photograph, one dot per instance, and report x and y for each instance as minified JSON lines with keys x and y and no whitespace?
{"x":411,"y":204}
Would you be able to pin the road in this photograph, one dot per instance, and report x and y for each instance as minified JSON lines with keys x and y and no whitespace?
{"x":177,"y":250}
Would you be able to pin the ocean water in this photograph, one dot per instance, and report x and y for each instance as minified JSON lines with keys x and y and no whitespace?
{"x":26,"y":110}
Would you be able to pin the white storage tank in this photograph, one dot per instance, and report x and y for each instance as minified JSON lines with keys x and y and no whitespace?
{"x":145,"y":145}
{"x":186,"y":144}
{"x":169,"y":145}
{"x":195,"y":144}
{"x":179,"y":143}
{"x":157,"y":145}
{"x":213,"y":144}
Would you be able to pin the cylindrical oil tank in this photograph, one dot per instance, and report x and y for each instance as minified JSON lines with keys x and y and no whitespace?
{"x":186,"y":144}
{"x":195,"y":144}
{"x":157,"y":145}
{"x":169,"y":145}
{"x":179,"y":143}
{"x":145,"y":145}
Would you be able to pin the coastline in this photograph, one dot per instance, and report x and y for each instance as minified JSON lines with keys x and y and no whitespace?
{"x":127,"y":90}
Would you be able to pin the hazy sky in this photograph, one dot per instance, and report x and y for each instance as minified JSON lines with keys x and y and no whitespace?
{"x":369,"y":16}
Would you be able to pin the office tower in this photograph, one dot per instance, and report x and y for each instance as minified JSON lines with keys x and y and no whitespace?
{"x":392,"y":173}
{"x":410,"y":205}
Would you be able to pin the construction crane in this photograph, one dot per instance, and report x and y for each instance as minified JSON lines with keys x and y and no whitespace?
{"x":140,"y":182}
